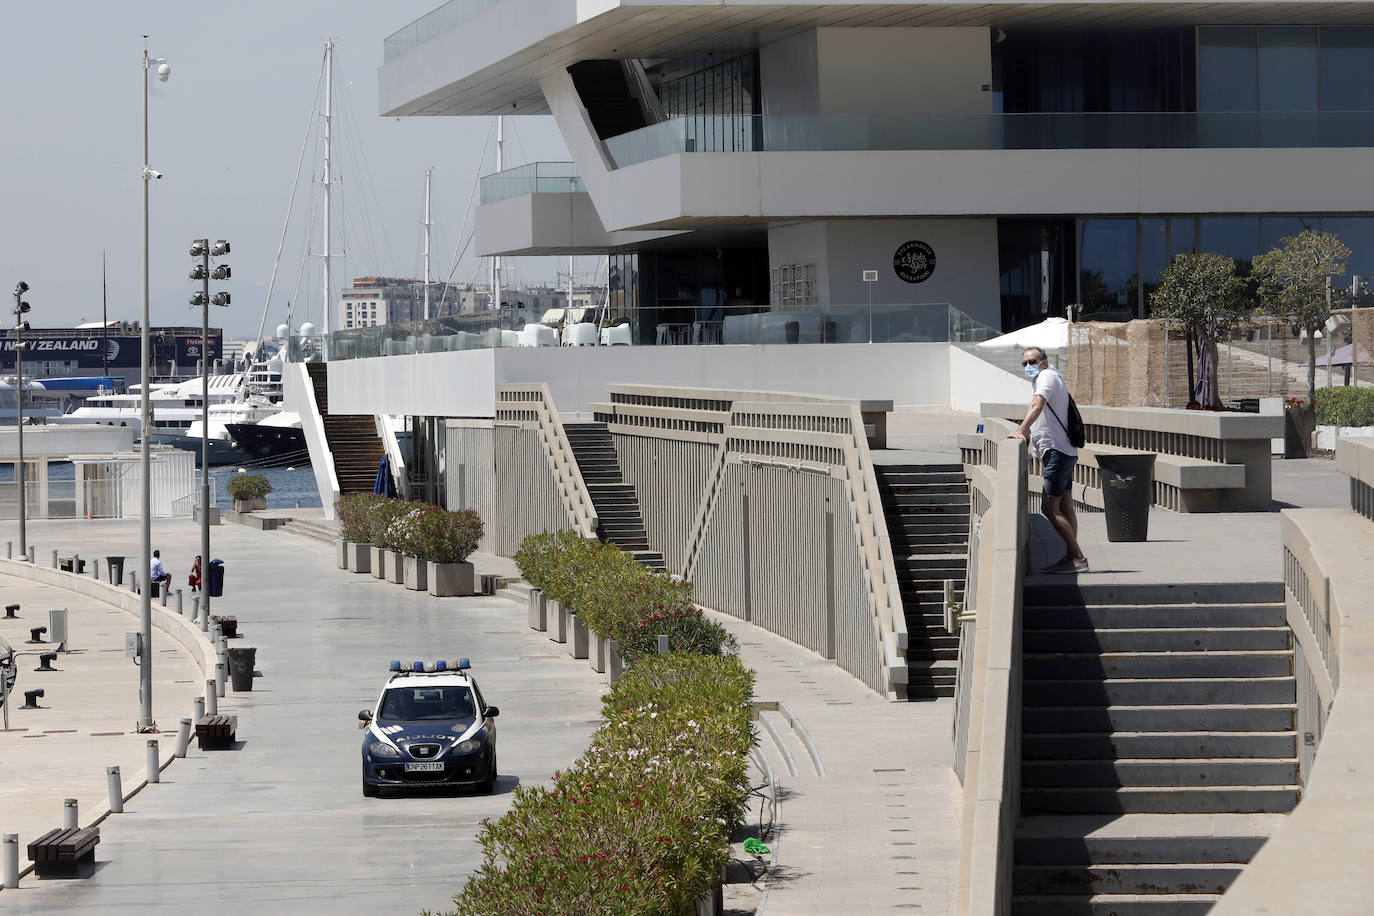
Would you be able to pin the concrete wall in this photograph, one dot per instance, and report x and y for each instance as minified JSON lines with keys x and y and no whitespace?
{"x":669,"y":476}
{"x":526,"y":500}
{"x":548,"y":223}
{"x":788,"y":81}
{"x":470,"y":472}
{"x":903,"y":71}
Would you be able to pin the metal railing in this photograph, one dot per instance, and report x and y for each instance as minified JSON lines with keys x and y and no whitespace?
{"x":534,"y":178}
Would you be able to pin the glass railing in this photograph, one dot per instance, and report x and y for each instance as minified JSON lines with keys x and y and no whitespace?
{"x":1136,"y":130}
{"x":431,"y":25}
{"x":534,"y":178}
{"x":665,"y":326}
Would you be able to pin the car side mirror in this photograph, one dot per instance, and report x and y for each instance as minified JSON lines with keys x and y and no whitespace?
{"x":493,"y":712}
{"x":365,"y":715}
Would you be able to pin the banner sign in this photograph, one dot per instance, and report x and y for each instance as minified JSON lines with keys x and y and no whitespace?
{"x":119,"y":352}
{"x":188,"y":350}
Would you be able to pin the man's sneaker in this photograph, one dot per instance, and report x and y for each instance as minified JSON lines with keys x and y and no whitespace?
{"x":1069,"y":566}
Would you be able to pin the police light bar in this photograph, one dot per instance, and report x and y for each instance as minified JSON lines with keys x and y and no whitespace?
{"x":464,"y":663}
{"x":394,"y":666}
{"x":417,"y":667}
{"x":441,"y":665}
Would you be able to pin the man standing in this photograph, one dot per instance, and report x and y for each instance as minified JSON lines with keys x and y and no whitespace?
{"x":1049,"y":436}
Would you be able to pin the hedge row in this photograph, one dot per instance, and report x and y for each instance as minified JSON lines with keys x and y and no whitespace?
{"x":617,"y":598}
{"x":640,"y":824}
{"x":1345,"y":406}
{"x":415,"y":529}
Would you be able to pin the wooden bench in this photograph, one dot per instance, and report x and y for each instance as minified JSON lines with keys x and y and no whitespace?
{"x":216,"y":733}
{"x":64,"y":851}
{"x":71,"y":564}
{"x":229,"y":626}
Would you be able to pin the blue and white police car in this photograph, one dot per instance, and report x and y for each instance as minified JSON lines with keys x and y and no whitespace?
{"x":430,"y":727}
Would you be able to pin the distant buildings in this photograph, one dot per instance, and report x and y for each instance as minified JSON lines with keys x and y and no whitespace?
{"x":373,"y":301}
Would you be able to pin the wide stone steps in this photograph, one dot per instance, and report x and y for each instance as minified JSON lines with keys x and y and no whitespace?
{"x":1158,"y":639}
{"x":1159,"y":799}
{"x":1164,"y":771}
{"x":1221,"y":717}
{"x":1164,"y":745}
{"x":1168,"y":616}
{"x":619,"y":520}
{"x":1115,"y":905}
{"x":1229,"y":664}
{"x":1133,"y":839}
{"x":1159,"y":691}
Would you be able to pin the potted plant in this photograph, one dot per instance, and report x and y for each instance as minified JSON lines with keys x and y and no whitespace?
{"x":352,"y":510}
{"x":450,"y":538}
{"x":249,"y":492}
{"x":533,"y":559}
{"x":379,"y":518}
{"x":408,"y":537}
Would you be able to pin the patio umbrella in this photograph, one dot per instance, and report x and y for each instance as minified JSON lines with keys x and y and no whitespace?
{"x":1050,"y":334}
{"x":1342,"y":356}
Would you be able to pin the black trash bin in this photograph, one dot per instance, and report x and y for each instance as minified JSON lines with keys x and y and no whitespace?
{"x":115,"y":567}
{"x":1128,"y":483}
{"x":216,"y":578}
{"x":241,"y":661}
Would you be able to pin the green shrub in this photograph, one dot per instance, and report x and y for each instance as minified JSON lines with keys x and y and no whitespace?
{"x":640,"y":824}
{"x":432,"y":533}
{"x":248,"y":486}
{"x":687,"y":630}
{"x":1345,"y":406}
{"x":352,"y":510}
{"x":381,"y":517}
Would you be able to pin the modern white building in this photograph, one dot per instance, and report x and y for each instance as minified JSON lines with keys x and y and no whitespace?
{"x":1008,"y":159}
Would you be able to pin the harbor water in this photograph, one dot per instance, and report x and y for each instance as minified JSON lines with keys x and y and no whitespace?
{"x":289,"y":485}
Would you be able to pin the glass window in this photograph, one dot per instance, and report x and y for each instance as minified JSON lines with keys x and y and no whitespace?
{"x":1108,"y":268}
{"x":1347,"y":68}
{"x":1274,"y":229}
{"x":1182,"y":236}
{"x":1358,"y":234}
{"x":415,"y":704}
{"x":1288,"y":69}
{"x":1226,"y":70}
{"x":1154,"y":255}
{"x":1236,"y":237}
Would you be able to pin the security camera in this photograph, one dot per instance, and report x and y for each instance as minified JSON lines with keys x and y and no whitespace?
{"x":151,"y":173}
{"x":164,"y":70}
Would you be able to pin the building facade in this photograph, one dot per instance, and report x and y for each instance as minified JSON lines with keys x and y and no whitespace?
{"x":1010,"y":160}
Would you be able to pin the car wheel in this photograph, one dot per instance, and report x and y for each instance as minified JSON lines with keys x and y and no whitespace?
{"x":490,"y":785}
{"x":369,"y":790}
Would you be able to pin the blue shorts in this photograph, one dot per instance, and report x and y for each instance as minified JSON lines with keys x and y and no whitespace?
{"x":1058,"y":473}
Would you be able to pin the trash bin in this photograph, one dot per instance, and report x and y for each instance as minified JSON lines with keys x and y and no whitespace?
{"x":115,"y":566}
{"x":241,"y":661}
{"x":1127,"y":491}
{"x":216,"y":578}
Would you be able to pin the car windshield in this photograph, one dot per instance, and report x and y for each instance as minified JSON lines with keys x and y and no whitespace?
{"x":419,"y":703}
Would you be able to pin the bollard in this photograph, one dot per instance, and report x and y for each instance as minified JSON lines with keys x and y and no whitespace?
{"x":116,"y":790}
{"x":54,"y":559}
{"x":154,"y":773}
{"x":205,"y":620}
{"x":221,"y":672}
{"x":133,"y":582}
{"x":216,"y":631}
{"x":222,"y":645}
{"x":195,"y":608}
{"x":662,"y":644}
{"x":45,"y":660}
{"x":11,"y":860}
{"x":211,"y":701}
{"x":95,"y":568}
{"x":198,"y":709}
{"x":180,"y":612}
{"x":9,"y":550}
{"x":183,"y":737}
{"x":11,"y":612}
{"x":163,"y":592}
{"x":70,"y":821}
{"x":33,"y":552}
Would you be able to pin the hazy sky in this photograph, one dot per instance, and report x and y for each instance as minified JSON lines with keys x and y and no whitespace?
{"x":226,"y":130}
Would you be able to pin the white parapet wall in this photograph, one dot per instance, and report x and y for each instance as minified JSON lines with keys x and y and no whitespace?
{"x":299,"y":395}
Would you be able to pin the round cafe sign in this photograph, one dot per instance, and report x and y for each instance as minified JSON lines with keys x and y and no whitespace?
{"x":914,"y":261}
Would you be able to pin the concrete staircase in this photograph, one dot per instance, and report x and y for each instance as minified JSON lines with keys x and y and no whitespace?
{"x":617,"y":507}
{"x":353,"y":441}
{"x":927,"y":512}
{"x":1158,"y":745}
{"x":316,"y":529}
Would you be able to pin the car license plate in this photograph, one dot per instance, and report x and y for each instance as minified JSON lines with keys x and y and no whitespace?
{"x":432,"y":767}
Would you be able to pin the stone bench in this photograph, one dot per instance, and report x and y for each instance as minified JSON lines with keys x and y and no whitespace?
{"x":64,"y":851}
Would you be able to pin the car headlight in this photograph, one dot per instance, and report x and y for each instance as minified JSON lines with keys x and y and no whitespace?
{"x":468,"y":746}
{"x":382,"y":749}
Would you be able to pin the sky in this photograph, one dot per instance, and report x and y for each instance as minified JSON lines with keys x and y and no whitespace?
{"x":226,"y":130}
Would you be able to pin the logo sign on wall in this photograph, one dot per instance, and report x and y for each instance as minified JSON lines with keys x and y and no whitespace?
{"x":914,"y":261}
{"x":188,"y":350}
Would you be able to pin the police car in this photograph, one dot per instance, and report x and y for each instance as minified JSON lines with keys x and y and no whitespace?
{"x":430,"y":727}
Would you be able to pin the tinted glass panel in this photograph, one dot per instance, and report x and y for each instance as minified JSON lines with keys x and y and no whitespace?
{"x":1288,"y":69}
{"x":1274,"y":229}
{"x":1358,"y":234}
{"x":1236,"y":237}
{"x":1347,"y":68}
{"x":1182,"y":236}
{"x":1226,"y":67}
{"x":1108,"y":268}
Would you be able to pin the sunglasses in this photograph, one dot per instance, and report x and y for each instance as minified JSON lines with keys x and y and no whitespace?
{"x":1030,"y":362}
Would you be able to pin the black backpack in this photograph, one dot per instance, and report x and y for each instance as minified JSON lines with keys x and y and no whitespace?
{"x":1077,"y":434}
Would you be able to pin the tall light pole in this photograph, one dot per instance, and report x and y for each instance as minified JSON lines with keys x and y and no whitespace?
{"x":21,"y":471}
{"x":201,"y":250}
{"x":145,"y":669}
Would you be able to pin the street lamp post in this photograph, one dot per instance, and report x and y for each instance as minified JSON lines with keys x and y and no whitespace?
{"x":21,"y":471}
{"x":145,"y":670}
{"x":201,"y":250}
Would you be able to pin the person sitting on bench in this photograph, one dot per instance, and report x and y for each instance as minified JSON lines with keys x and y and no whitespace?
{"x":193,"y":579}
{"x":156,"y":574}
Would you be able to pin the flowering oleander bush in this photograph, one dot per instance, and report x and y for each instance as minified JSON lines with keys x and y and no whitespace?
{"x":248,"y":486}
{"x":381,"y":522}
{"x":687,"y":630}
{"x":640,"y":824}
{"x":352,"y":510}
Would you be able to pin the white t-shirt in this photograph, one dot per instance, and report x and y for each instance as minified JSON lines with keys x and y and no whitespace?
{"x":1046,"y":431}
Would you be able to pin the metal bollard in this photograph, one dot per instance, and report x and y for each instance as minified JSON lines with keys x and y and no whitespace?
{"x":133,"y":582}
{"x":163,"y":592}
{"x":54,"y":559}
{"x":11,"y":860}
{"x":198,"y":709}
{"x":222,"y":646}
{"x":154,"y":772}
{"x":205,"y":620}
{"x":95,"y":568}
{"x":662,"y":644}
{"x":216,"y":631}
{"x":195,"y":608}
{"x":180,"y":612}
{"x":9,"y":550}
{"x":183,"y":737}
{"x":211,"y":693}
{"x":221,"y":676}
{"x":70,"y":820}
{"x":116,"y":790}
{"x":33,"y":552}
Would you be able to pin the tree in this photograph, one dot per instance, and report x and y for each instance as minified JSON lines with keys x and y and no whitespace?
{"x":1293,"y":282}
{"x":1202,"y":293}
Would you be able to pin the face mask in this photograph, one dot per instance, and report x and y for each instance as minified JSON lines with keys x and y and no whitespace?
{"x":1032,"y":371}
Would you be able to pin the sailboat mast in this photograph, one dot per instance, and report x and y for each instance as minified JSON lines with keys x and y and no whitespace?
{"x":429,"y":171}
{"x":496,"y":261}
{"x":328,"y":180}
{"x":570,"y":281}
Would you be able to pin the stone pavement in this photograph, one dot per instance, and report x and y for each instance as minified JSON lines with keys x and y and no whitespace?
{"x":280,"y":825}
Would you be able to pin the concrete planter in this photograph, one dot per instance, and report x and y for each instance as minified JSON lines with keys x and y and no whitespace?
{"x":379,"y":561}
{"x":539,"y":619}
{"x":415,"y":573}
{"x":214,"y":515}
{"x":343,"y":554}
{"x":614,"y":666}
{"x":395,"y":572}
{"x":596,"y":652}
{"x":250,"y":505}
{"x":448,"y":580}
{"x":359,"y":557}
{"x":712,"y":903}
{"x":558,"y":622}
{"x":577,"y":644}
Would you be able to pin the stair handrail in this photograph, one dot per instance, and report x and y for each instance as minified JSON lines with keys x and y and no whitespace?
{"x":706,"y":507}
{"x":577,"y":500}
